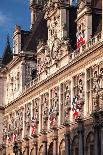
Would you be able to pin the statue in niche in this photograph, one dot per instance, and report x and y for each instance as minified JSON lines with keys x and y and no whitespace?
{"x":55,"y":52}
{"x":81,"y":91}
{"x":12,"y":122}
{"x":34,"y":124}
{"x":5,"y":129}
{"x":96,"y":83}
{"x":28,"y":114}
{"x":67,"y":104}
{"x":45,"y":108}
{"x":47,"y":56}
{"x":21,"y":118}
{"x":101,"y":78}
{"x":55,"y":100}
{"x":54,"y":110}
{"x":35,"y":118}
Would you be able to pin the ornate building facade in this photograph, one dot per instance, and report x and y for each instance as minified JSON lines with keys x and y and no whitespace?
{"x":51,"y":82}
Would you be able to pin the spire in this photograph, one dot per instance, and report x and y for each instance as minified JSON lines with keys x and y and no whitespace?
{"x":7,"y":54}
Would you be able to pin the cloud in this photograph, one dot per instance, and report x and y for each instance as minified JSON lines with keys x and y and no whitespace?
{"x":3,"y":19}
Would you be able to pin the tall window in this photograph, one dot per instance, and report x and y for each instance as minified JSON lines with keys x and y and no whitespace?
{"x":89,"y":88}
{"x":65,"y":101}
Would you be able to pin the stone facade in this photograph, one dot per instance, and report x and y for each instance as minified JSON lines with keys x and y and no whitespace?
{"x":52,"y":92}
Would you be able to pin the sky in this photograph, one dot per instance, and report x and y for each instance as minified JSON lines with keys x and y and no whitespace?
{"x":12,"y":12}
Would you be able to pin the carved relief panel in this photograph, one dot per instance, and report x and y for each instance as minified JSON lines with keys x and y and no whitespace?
{"x":45,"y":110}
{"x":54,"y":107}
{"x":35,"y":117}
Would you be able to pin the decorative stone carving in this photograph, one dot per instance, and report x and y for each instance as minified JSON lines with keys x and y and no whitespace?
{"x":81,"y":4}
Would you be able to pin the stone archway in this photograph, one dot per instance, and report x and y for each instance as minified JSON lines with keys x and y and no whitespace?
{"x":50,"y":150}
{"x":75,"y":146}
{"x":62,"y":148}
{"x":90,"y":144}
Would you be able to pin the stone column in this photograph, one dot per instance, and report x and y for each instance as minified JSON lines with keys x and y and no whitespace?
{"x":34,"y":145}
{"x":55,"y":146}
{"x":26,"y":146}
{"x":96,"y":125}
{"x":55,"y":138}
{"x":102,"y":19}
{"x":44,"y":148}
{"x":96,"y":141}
{"x":101,"y":132}
{"x":102,"y":140}
{"x":81,"y":136}
{"x":67,"y":144}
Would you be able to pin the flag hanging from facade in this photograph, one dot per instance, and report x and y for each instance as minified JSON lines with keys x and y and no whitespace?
{"x":76,"y":106}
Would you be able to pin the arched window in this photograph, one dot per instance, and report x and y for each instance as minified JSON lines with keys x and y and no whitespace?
{"x":50,"y":150}
{"x":75,"y":146}
{"x":62,"y":148}
{"x":90,"y":144}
